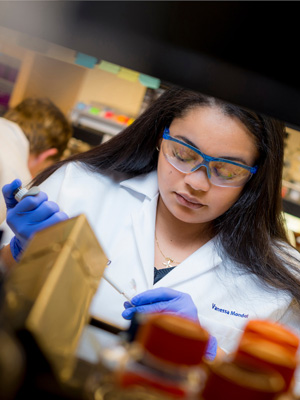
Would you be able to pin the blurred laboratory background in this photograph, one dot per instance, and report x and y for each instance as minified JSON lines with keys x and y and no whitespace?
{"x":104,"y":62}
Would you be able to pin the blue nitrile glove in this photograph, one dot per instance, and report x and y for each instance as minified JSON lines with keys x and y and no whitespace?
{"x":162,"y":300}
{"x":170,"y":301}
{"x":30,"y":215}
{"x":212,"y":348}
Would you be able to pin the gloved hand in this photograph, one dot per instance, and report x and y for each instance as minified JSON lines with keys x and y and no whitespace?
{"x":30,"y":215}
{"x":212,"y":348}
{"x":162,"y":300}
{"x":169,"y":301}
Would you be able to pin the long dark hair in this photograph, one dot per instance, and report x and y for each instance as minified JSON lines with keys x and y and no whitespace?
{"x":252,"y":232}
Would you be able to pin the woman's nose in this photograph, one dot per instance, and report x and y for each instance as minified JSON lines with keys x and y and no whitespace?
{"x":198,"y":180}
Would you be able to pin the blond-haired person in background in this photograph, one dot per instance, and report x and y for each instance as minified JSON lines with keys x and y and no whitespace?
{"x":33,"y":135}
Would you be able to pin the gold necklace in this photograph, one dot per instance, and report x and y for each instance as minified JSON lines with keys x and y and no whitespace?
{"x":169,"y":260}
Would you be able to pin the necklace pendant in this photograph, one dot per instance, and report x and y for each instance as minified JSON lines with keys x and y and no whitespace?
{"x":168,"y":262}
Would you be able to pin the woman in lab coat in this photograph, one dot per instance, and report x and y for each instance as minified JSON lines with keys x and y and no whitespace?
{"x":186,"y":203}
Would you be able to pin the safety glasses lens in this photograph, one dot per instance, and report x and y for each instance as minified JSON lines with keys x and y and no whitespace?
{"x":181,"y":157}
{"x":226,"y":174}
{"x":187,"y":160}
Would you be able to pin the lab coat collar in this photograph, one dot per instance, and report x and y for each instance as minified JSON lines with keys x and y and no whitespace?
{"x":200,"y":262}
{"x":143,"y":222}
{"x":145,"y":184}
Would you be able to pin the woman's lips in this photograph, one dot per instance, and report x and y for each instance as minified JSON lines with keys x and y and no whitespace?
{"x":187,"y":201}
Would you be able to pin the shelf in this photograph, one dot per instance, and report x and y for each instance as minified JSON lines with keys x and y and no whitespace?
{"x":291,"y":208}
{"x":101,"y":125}
{"x":87,"y":135}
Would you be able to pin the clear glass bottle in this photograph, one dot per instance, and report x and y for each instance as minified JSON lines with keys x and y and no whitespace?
{"x":164,"y":361}
{"x":269,"y":345}
{"x":167,"y":356}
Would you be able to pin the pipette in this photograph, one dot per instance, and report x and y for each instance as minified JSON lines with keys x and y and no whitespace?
{"x":117,"y":288}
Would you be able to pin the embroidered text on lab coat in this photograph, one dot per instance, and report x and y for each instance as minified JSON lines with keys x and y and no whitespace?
{"x":234,"y":313}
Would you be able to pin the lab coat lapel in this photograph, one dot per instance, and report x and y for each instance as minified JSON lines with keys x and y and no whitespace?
{"x":200,"y":262}
{"x":143,"y":227}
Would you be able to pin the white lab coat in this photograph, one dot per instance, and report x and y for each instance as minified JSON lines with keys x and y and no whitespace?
{"x":122,"y":215}
{"x":14,"y":153}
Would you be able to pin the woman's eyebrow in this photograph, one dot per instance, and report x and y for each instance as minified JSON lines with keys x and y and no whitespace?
{"x":184,"y":139}
{"x":229,"y":158}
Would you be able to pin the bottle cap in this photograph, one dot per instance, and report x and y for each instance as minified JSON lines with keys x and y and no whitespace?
{"x":20,"y":193}
{"x":231,"y":381}
{"x":173,"y":339}
{"x":274,"y":332}
{"x":265,"y":354}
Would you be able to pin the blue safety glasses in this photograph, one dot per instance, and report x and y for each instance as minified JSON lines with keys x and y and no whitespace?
{"x":188,"y":159}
